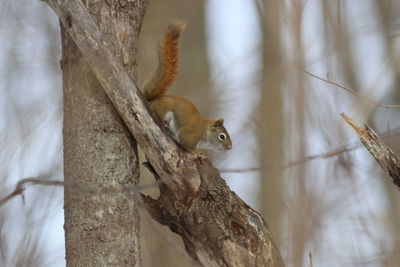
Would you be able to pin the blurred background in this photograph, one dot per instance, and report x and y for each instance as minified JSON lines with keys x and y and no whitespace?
{"x":253,"y":63}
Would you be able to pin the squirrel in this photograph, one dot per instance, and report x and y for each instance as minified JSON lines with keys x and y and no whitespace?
{"x":178,"y":114}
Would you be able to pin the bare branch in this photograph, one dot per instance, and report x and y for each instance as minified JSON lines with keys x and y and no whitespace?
{"x":20,"y":187}
{"x":352,"y":91}
{"x":389,"y":162}
{"x":325,"y":155}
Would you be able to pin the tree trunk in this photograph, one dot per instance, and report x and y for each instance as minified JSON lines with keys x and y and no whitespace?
{"x":100,"y":229}
{"x":272,"y":114}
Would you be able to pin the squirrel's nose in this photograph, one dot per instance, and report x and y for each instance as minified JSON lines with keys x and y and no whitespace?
{"x":229,"y":146}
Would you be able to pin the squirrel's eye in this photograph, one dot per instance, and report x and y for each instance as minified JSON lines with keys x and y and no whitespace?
{"x":222,"y":136}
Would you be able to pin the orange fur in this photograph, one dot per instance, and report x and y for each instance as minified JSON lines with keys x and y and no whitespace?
{"x":181,"y":116}
{"x":168,"y":63}
{"x":191,"y":124}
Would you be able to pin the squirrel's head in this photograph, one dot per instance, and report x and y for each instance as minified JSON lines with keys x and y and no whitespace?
{"x":217,"y":136}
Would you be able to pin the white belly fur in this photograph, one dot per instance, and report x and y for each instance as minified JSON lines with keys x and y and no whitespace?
{"x":169,"y":118}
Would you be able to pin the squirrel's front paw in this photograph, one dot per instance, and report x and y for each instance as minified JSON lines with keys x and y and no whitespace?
{"x":165,"y":124}
{"x":201,"y":155}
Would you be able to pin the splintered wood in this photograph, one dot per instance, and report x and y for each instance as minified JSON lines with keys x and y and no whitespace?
{"x":389,"y":162}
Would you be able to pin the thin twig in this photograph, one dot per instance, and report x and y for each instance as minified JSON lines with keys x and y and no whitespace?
{"x":325,"y":155}
{"x":354,"y":92}
{"x":243,"y":170}
{"x":20,"y":187}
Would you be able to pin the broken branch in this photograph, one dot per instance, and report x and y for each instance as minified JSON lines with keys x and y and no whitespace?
{"x":389,"y":162}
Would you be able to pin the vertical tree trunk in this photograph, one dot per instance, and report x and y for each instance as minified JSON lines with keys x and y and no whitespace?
{"x":272,"y":131}
{"x":100,"y":229}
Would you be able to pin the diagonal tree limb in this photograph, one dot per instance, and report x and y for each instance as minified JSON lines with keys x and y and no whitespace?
{"x":389,"y":162}
{"x":217,"y":227}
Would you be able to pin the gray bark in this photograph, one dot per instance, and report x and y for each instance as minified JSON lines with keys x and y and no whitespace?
{"x":217,"y":227}
{"x":100,"y":229}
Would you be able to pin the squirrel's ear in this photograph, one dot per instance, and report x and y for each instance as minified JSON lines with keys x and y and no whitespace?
{"x":219,"y":123}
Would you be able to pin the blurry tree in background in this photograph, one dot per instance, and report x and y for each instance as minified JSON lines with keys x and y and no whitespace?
{"x":326,"y":199}
{"x":193,"y":77}
{"x":271,"y":118}
{"x":330,"y":198}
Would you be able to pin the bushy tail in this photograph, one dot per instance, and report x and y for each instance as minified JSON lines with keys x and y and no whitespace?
{"x":168,"y":59}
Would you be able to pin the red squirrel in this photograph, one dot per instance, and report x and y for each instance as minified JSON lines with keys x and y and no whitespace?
{"x":180,"y":115}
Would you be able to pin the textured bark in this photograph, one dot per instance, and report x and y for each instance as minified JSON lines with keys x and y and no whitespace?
{"x":218,"y":228}
{"x":100,"y":229}
{"x":389,"y":162}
